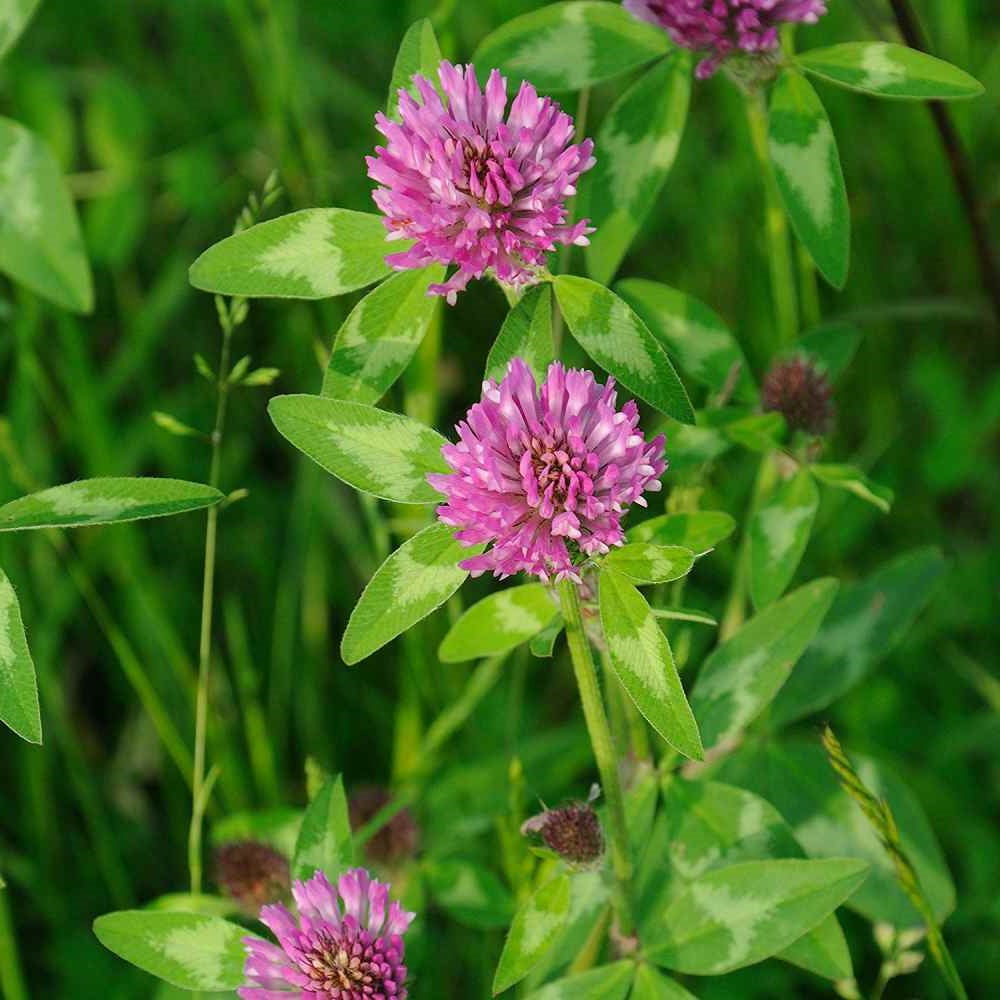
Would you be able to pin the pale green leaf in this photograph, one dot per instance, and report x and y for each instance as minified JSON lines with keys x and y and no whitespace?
{"x":324,"y":843}
{"x":706,"y":825}
{"x":18,"y":687}
{"x":744,"y":674}
{"x":614,"y":336}
{"x":414,"y":581}
{"x":189,"y":950}
{"x":847,"y":477}
{"x":796,"y":777}
{"x":566,"y":46}
{"x":885,"y":69}
{"x":806,"y":163}
{"x":380,"y":336}
{"x":866,"y":621}
{"x":385,"y":454}
{"x":14,"y":18}
{"x":41,"y":246}
{"x":526,"y":334}
{"x":685,"y":615}
{"x":643,"y":662}
{"x":644,"y":562}
{"x":536,"y":925}
{"x":418,"y":52}
{"x":498,"y":623}
{"x":609,"y":982}
{"x":471,"y":894}
{"x":637,"y":145}
{"x":694,"y":335}
{"x":779,"y":534}
{"x":699,"y":530}
{"x":739,"y":915}
{"x":651,"y":984}
{"x":313,"y":254}
{"x":105,"y":501}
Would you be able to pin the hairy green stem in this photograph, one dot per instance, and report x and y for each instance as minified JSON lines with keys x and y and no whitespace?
{"x":776,"y":229}
{"x":198,"y":795}
{"x":603,"y":747}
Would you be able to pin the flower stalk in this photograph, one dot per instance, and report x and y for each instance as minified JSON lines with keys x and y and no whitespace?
{"x":603,"y":746}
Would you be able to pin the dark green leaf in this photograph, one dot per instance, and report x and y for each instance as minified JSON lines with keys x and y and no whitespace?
{"x":526,"y":334}
{"x":419,"y":52}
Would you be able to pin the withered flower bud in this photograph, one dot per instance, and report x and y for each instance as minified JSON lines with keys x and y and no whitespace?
{"x":801,"y":393}
{"x":253,"y":874}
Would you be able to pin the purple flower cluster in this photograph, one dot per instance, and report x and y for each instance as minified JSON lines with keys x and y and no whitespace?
{"x":347,"y":944}
{"x":722,"y":27}
{"x":540,"y":474}
{"x":473,"y":189}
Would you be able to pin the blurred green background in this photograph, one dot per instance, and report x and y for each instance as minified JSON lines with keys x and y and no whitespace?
{"x":165,"y":115}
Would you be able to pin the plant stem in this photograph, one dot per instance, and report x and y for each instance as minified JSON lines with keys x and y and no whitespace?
{"x":603,"y":747}
{"x":776,"y":228}
{"x":198,"y":796}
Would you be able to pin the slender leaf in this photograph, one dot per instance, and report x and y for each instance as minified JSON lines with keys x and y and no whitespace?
{"x":779,"y":534}
{"x":699,"y":530}
{"x":313,"y":254}
{"x":498,"y":623}
{"x":380,"y":336}
{"x":637,"y":142}
{"x":685,"y":615}
{"x":189,"y":950}
{"x":385,"y":454}
{"x":324,"y":842}
{"x":807,"y":166}
{"x":641,"y":657}
{"x":537,"y":924}
{"x":526,"y":334}
{"x":847,"y":477}
{"x":105,"y":501}
{"x":744,"y":674}
{"x":414,"y":581}
{"x":41,"y":246}
{"x":566,"y":46}
{"x":18,"y":687}
{"x":614,"y":336}
{"x":866,"y":621}
{"x":418,"y":52}
{"x":644,"y":562}
{"x":700,"y":342}
{"x":885,"y":69}
{"x":736,"y":916}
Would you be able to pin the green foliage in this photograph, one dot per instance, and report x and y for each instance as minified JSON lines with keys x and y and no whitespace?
{"x":642,"y":660}
{"x":324,"y":843}
{"x":699,"y":531}
{"x":566,"y":46}
{"x":188,"y":950}
{"x":18,"y":689}
{"x":499,"y":623}
{"x":419,"y":52}
{"x":806,"y":163}
{"x":312,"y":254}
{"x":643,"y":562}
{"x":526,"y":334}
{"x":381,"y":453}
{"x":611,"y":333}
{"x":105,"y":501}
{"x":40,"y":241}
{"x":888,"y":70}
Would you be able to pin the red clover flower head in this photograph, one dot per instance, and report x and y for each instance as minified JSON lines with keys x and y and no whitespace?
{"x":474,"y":188}
{"x":801,"y":393}
{"x":721,"y":28}
{"x":347,"y":944}
{"x":546,"y":474}
{"x":252,"y":874}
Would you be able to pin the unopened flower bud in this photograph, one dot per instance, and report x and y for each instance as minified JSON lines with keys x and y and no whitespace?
{"x":801,"y":393}
{"x":253,"y":874}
